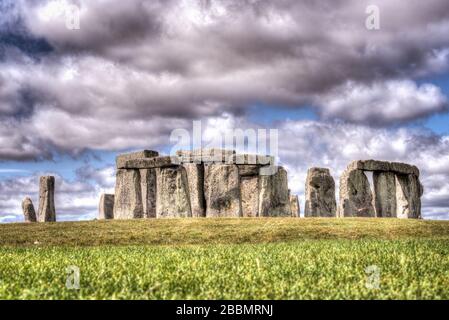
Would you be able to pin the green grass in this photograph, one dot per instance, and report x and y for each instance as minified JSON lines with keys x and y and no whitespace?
{"x":273,"y":258}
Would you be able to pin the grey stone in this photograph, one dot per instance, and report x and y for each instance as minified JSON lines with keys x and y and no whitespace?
{"x":384,"y":194}
{"x":320,"y":194}
{"x":106,"y":207}
{"x":356,"y":199}
{"x":369,"y":165}
{"x":172,"y":195}
{"x":375,"y":165}
{"x":122,"y":158}
{"x":403,"y":168}
{"x":249,"y":186}
{"x":294,"y":205}
{"x":195,"y":178}
{"x":408,"y":196}
{"x":273,"y":194}
{"x":148,"y":188}
{"x":252,"y":159}
{"x":212,"y":155}
{"x":248,"y":170}
{"x":46,"y":211}
{"x":222,"y":190}
{"x":128,"y":195}
{"x":149,"y":163}
{"x":29,"y":213}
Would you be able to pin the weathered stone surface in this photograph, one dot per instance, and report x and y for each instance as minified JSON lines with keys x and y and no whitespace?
{"x":122,"y":158}
{"x":273,"y":194}
{"x":46,"y":211}
{"x":172,"y":195}
{"x":128,"y":195}
{"x":356,"y":199}
{"x":384,"y":194}
{"x":149,"y":163}
{"x":408,"y":196}
{"x":403,"y":168}
{"x":195,"y":178}
{"x":148,"y":189}
{"x":29,"y":213}
{"x":222,"y":190}
{"x":249,"y":187}
{"x":212,"y":155}
{"x":294,"y":205}
{"x":248,"y":170}
{"x":375,"y":165}
{"x":106,"y":207}
{"x":252,"y":159}
{"x":369,"y":165}
{"x":320,"y":194}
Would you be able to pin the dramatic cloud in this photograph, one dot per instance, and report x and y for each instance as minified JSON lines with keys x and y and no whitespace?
{"x":160,"y":62}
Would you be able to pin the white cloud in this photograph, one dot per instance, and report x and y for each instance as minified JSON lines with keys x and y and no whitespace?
{"x":382,"y":102}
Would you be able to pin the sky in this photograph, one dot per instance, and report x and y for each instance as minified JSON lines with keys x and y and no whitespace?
{"x":338,"y":81}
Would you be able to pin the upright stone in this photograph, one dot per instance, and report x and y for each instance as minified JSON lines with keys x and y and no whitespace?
{"x":320,"y":194}
{"x":294,"y":205}
{"x":195,"y":178}
{"x":222,"y":190}
{"x":249,"y":186}
{"x":384,"y":194}
{"x":148,"y":187}
{"x":408,"y":196}
{"x":106,"y":207}
{"x":29,"y":213}
{"x":356,"y":199}
{"x":273,"y":194}
{"x":128,"y":195}
{"x":172,"y":195}
{"x":46,"y":212}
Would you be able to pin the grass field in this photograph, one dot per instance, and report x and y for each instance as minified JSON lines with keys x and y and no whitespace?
{"x":272,"y":258}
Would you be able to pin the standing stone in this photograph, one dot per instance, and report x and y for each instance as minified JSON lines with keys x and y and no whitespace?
{"x":416,"y":192}
{"x":384,"y":194}
{"x":195,"y":178}
{"x":273,"y":194}
{"x":222,"y":190}
{"x":294,"y":205}
{"x":128,"y":195}
{"x":106,"y":207}
{"x":28,"y":210}
{"x":356,"y":199}
{"x":320,"y":194}
{"x":46,"y":212}
{"x":148,"y":187}
{"x":172,"y":195}
{"x":408,"y":196}
{"x":249,"y":186}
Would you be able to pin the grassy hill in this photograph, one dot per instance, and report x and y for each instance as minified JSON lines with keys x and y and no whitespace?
{"x":272,"y":258}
